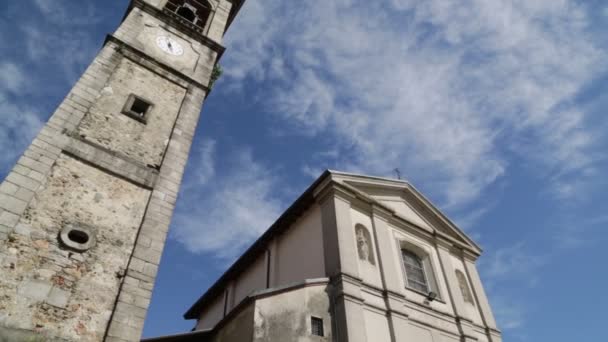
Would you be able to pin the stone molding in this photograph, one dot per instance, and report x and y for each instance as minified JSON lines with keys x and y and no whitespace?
{"x":154,"y":65}
{"x":178,"y":24}
{"x":112,"y":162}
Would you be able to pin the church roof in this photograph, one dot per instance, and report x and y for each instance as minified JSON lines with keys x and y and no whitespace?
{"x":370,"y":189}
{"x":236,"y":7}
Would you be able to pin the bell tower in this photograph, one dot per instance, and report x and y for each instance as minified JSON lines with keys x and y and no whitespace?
{"x":85,"y":212}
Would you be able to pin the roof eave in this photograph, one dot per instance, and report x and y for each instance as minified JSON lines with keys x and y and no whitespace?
{"x":236,"y":7}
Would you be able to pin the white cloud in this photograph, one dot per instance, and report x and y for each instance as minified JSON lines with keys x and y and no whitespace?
{"x":509,"y":314}
{"x":441,"y":90}
{"x":230,"y":211}
{"x":11,"y":77}
{"x":205,"y":166}
{"x":47,"y":6}
{"x":19,"y":123}
{"x":19,"y":126}
{"x":512,"y":262}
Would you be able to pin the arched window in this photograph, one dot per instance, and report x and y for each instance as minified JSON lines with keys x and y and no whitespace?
{"x":464,"y":287}
{"x":194,"y":11}
{"x":415,"y":271}
{"x":187,"y":13}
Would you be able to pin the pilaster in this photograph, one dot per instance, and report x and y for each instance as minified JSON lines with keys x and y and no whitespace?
{"x":385,"y":245}
{"x":338,"y":236}
{"x":348,"y":310}
{"x":480,"y":294}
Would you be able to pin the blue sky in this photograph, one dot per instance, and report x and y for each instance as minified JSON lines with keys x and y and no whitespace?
{"x":496,"y":110}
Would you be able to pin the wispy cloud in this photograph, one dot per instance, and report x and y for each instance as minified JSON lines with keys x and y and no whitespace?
{"x":45,"y":35}
{"x":439,"y":89}
{"x":516,"y":267}
{"x":227,"y":210}
{"x":511,"y":315}
{"x":513,"y":261}
{"x":12,"y":78}
{"x":204,"y":156}
{"x":19,"y":122}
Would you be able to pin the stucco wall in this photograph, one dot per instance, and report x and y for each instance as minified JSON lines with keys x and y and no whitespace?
{"x":105,"y":124}
{"x":287,"y":316}
{"x":376,"y":326}
{"x":299,"y":252}
{"x":212,"y":314}
{"x":420,"y":333}
{"x":56,"y":291}
{"x":252,"y":279}
{"x":239,"y":329}
{"x":403,"y":209}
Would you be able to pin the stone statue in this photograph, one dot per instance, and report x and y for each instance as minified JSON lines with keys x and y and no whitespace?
{"x":364,"y":245}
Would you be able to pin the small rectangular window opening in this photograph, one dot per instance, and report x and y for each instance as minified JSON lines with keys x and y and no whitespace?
{"x":140,"y":107}
{"x":317,"y":326}
{"x":137,"y":108}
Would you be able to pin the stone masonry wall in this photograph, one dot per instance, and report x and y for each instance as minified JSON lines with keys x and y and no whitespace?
{"x":105,"y":125}
{"x":63,"y":179}
{"x":57,"y":291}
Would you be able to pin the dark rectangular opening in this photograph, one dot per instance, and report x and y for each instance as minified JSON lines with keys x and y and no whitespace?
{"x":137,"y":108}
{"x":140,"y":107}
{"x":316,"y":325}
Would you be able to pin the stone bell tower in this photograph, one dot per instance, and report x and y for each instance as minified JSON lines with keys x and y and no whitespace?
{"x":85,"y":212}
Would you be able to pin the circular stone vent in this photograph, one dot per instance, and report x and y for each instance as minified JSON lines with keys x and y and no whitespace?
{"x":78,"y":238}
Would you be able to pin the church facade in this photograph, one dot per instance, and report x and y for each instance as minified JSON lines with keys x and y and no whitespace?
{"x":354,"y":259}
{"x":85,"y":212}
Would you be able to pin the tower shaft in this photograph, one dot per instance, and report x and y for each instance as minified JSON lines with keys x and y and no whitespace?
{"x":84,"y":213}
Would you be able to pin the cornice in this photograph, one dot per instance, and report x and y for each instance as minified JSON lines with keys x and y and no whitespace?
{"x":390,"y":214}
{"x":468,"y":256}
{"x":151,"y":63}
{"x":179,"y":24}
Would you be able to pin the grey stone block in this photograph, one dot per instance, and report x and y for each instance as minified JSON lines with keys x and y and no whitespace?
{"x":8,"y":188}
{"x":23,"y":229}
{"x":9,"y":219}
{"x":23,"y":181}
{"x":58,"y":297}
{"x":35,"y":289}
{"x":24,"y":194}
{"x":12,"y":204}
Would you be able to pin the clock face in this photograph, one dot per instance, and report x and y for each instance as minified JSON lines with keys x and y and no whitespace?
{"x":169,"y":45}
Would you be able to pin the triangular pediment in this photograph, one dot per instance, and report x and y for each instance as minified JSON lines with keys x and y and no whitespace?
{"x":407,"y":203}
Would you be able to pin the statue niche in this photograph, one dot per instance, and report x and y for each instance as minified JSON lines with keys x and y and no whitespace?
{"x":364,"y":244}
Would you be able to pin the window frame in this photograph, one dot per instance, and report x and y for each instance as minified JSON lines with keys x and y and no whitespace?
{"x":320,"y":324}
{"x":428,"y":266}
{"x":127,"y":108}
{"x":419,"y":265}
